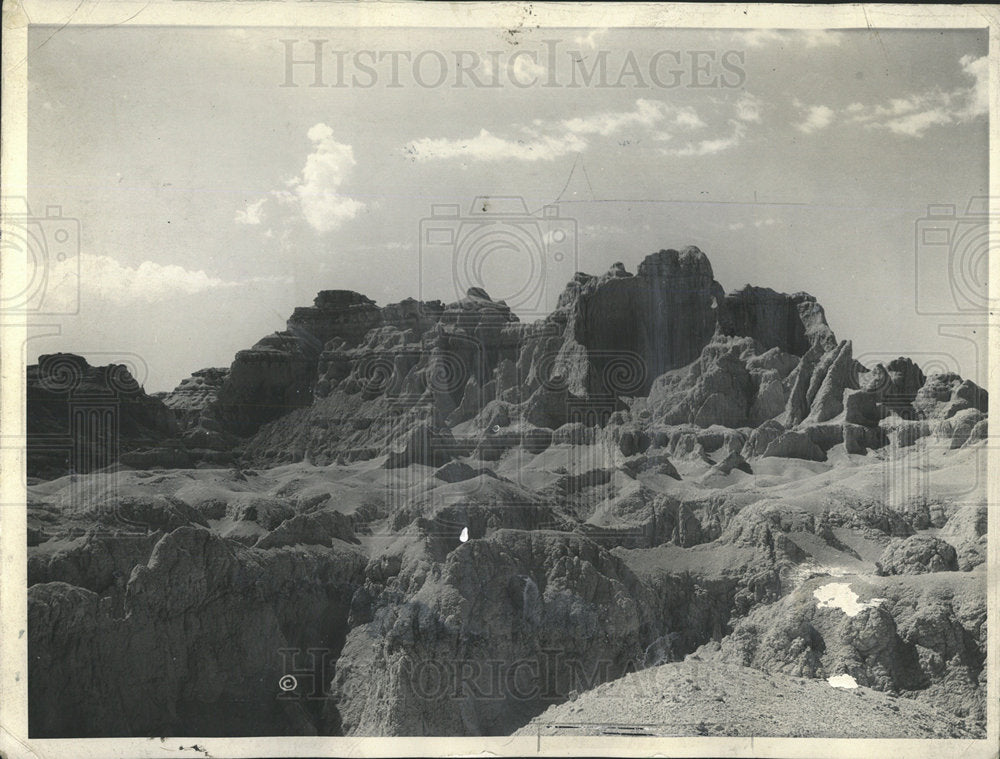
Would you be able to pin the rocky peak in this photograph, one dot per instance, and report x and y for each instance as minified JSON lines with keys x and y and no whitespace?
{"x":335,"y":313}
{"x":660,"y":319}
{"x":618,"y":270}
{"x":671,"y":264}
{"x":478,"y":293}
{"x":792,"y":323}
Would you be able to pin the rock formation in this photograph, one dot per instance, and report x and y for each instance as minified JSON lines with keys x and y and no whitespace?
{"x":443,"y":521}
{"x":81,"y":418}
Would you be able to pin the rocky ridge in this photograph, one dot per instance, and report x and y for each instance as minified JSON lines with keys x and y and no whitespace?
{"x":520,"y":512}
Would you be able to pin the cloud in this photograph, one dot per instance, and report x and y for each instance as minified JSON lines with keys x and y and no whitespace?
{"x":748,"y":108}
{"x":489,"y":147}
{"x":521,"y":68}
{"x":915,"y":114}
{"x":104,"y":278}
{"x":978,"y":96}
{"x":546,"y":140}
{"x":317,"y":188}
{"x":315,"y":193}
{"x":818,"y":117}
{"x":711,"y":145}
{"x":760,"y":37}
{"x":591,"y":38}
{"x":647,"y":113}
{"x":252,"y":214}
{"x":526,"y":69}
{"x":809,"y":38}
{"x":820,"y":37}
{"x":758,"y":223}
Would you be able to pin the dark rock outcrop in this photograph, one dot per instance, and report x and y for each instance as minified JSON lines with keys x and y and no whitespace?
{"x":81,"y":418}
{"x":195,"y":647}
{"x":791,"y":323}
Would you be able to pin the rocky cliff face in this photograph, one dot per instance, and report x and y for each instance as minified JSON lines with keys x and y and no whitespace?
{"x":476,"y":519}
{"x":82,"y":418}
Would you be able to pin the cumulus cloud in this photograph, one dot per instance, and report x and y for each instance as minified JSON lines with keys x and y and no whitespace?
{"x":317,"y":188}
{"x":818,"y":117}
{"x":315,"y":193}
{"x":546,"y":140}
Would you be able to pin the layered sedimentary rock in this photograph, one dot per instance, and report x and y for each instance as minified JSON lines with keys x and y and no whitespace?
{"x":662,"y":348}
{"x":194,"y":395}
{"x":481,"y":518}
{"x":82,"y":418}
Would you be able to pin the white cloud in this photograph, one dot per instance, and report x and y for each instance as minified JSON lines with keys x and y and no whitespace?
{"x":487,"y":146}
{"x":748,"y":108}
{"x":760,"y":37}
{"x":647,"y":113}
{"x":252,"y":214}
{"x":978,"y":96}
{"x":591,"y":38}
{"x":820,"y":37}
{"x":315,"y":192}
{"x":818,"y":117}
{"x":915,"y":124}
{"x":809,"y":38}
{"x":317,"y":188}
{"x":526,"y":68}
{"x":711,"y":145}
{"x":689,"y":119}
{"x":765,"y":223}
{"x":103,"y":278}
{"x":546,"y":140}
{"x":522,"y":68}
{"x":737,"y":226}
{"x":913,"y":115}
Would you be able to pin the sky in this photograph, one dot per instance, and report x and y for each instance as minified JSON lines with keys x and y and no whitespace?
{"x":217,"y":186}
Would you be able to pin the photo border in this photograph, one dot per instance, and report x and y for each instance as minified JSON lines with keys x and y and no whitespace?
{"x":17,"y":16}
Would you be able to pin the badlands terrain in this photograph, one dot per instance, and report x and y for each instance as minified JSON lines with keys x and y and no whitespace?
{"x":661,"y":510}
